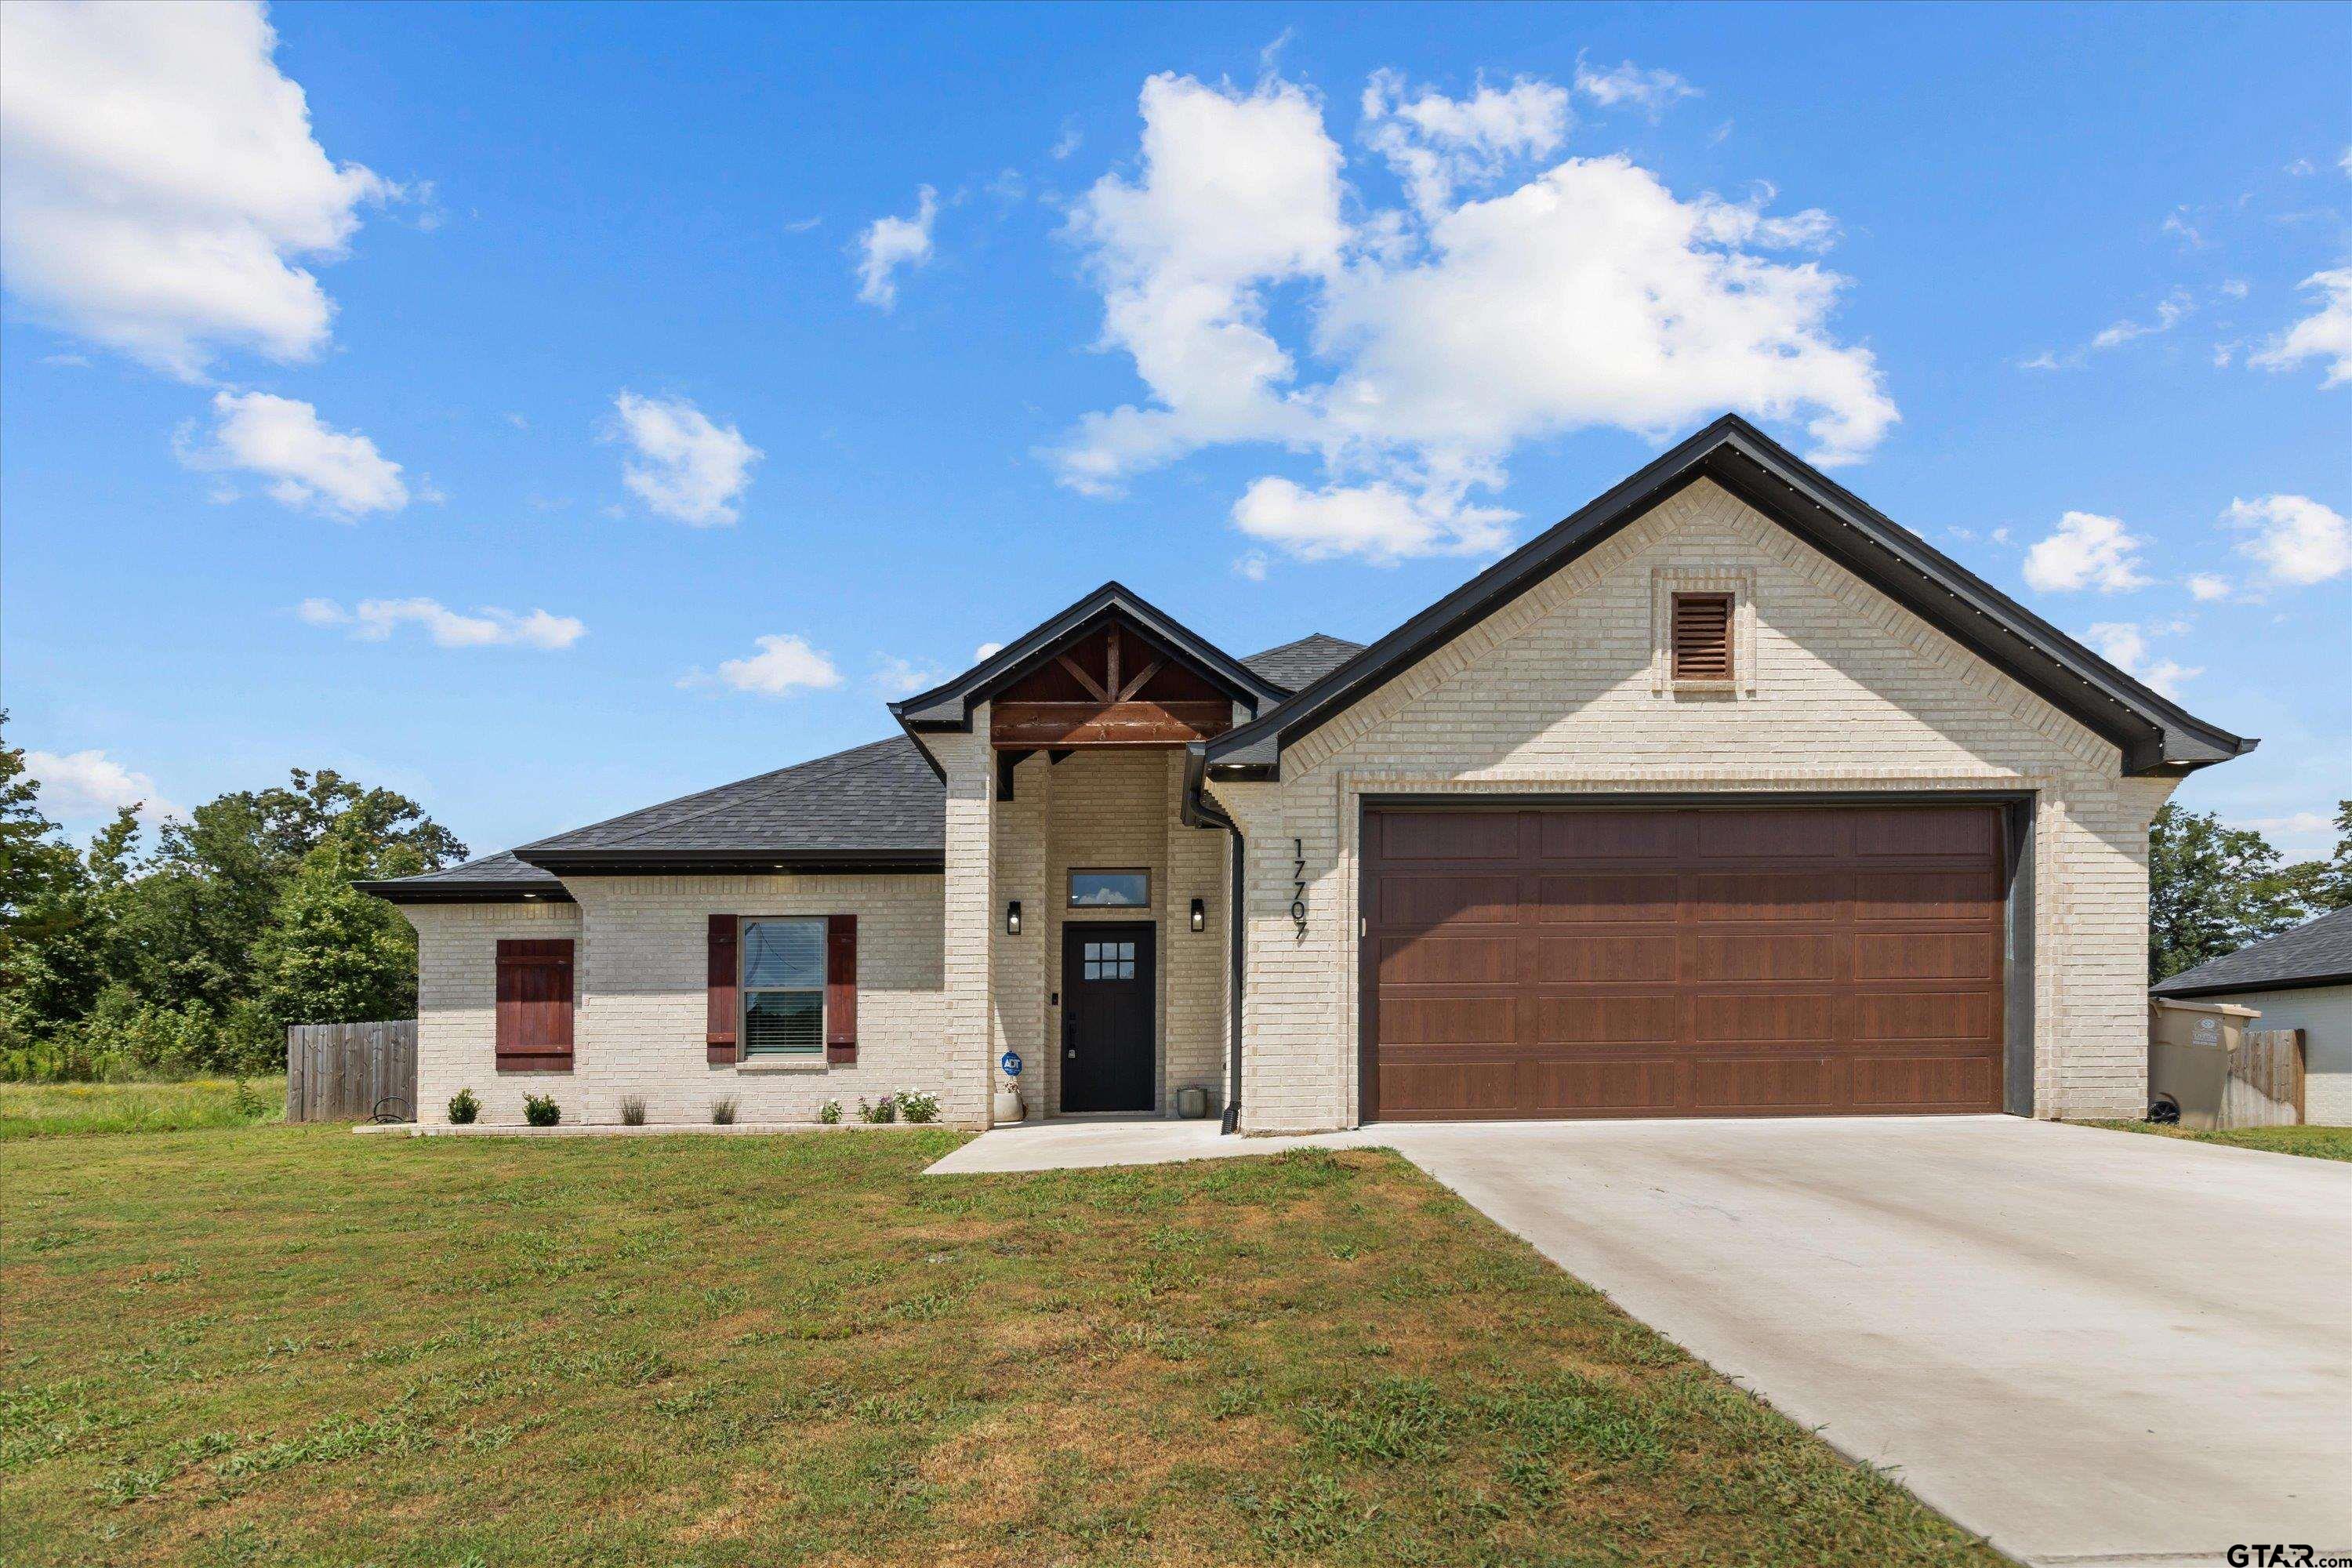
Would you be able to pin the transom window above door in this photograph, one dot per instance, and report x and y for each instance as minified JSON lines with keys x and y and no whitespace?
{"x":784,"y":987}
{"x":1111,"y":890}
{"x":1108,"y":959}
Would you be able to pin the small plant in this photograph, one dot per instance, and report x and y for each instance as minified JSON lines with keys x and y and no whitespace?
{"x":915,"y":1105}
{"x":829,"y":1113}
{"x":247,"y":1104}
{"x":633,"y":1110}
{"x":878,"y":1114}
{"x":723,"y":1113}
{"x":541,"y":1110}
{"x":463,"y":1107}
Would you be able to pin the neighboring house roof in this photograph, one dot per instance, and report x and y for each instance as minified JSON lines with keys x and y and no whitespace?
{"x":948,"y":706}
{"x":2154,"y":734}
{"x":490,"y":879}
{"x":1298,"y":665}
{"x":2317,"y":952}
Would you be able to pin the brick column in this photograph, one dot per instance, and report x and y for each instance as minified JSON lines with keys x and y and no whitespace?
{"x":1017,"y":1001}
{"x":972,"y":916}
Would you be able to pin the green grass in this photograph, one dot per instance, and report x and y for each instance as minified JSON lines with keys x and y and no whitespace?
{"x":52,"y":1110}
{"x":2318,"y":1142}
{"x":292,"y":1344}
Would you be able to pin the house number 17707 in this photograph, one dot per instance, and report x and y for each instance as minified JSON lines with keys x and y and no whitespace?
{"x":1298,"y":885}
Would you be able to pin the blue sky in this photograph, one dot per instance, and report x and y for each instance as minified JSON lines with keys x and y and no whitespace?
{"x":696,"y":466}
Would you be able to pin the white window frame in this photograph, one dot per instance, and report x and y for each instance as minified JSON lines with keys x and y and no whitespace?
{"x":745,"y":990}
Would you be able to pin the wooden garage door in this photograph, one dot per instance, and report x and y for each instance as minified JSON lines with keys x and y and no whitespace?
{"x":1705,"y":962}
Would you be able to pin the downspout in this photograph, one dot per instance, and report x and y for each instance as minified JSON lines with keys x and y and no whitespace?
{"x":1197,"y":810}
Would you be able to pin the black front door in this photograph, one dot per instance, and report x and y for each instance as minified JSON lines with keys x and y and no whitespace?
{"x":1107,"y":1006}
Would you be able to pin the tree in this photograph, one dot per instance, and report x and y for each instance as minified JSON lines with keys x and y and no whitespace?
{"x":2325,"y":885}
{"x":332,"y":953}
{"x":2211,"y":890}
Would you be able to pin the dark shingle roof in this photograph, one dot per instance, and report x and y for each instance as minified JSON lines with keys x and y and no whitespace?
{"x":1295,"y":666}
{"x":2314,"y":954}
{"x":881,"y":802}
{"x":492,"y":877}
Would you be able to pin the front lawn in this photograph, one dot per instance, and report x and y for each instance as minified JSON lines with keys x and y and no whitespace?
{"x":2319,"y":1142}
{"x":292,"y":1343}
{"x":53,"y":1110}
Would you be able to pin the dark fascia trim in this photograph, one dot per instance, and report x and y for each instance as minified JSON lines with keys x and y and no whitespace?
{"x":1679,"y":800}
{"x":2155,"y":735}
{"x":1193,"y":807}
{"x":2244,"y":987}
{"x":735,"y":862}
{"x":450,"y":892}
{"x":948,"y":707}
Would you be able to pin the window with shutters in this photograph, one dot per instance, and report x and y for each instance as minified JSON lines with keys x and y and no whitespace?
{"x":784,"y":969}
{"x":1701,"y":641}
{"x":534,"y":1007}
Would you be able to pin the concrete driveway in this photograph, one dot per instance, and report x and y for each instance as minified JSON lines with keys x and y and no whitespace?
{"x":2088,"y":1346}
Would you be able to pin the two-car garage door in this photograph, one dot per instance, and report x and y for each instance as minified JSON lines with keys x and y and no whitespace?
{"x":1699,"y":961}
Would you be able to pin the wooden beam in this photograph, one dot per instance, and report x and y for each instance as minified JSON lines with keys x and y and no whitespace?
{"x":1057,"y":756}
{"x":1112,"y":672}
{"x":1127,"y":693}
{"x":1093,"y":688}
{"x":1064,"y":725}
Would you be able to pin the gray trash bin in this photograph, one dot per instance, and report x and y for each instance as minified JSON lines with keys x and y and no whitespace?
{"x":2189,"y":1047}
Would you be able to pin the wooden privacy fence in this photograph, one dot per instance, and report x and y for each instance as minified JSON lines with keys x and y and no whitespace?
{"x":344,"y":1072}
{"x":2264,"y":1087}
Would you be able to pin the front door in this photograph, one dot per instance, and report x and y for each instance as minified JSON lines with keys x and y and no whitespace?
{"x":1107,"y":1007}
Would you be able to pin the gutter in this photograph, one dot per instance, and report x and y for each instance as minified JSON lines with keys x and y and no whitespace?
{"x":1232,"y":1118}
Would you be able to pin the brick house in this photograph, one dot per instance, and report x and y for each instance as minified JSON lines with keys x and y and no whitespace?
{"x":1725,"y":796}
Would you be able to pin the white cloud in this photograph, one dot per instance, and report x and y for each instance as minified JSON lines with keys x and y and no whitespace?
{"x":2126,"y":646}
{"x":373,"y":620}
{"x":2170,"y":312}
{"x":2236,"y":288}
{"x":986,"y":651}
{"x":2344,"y":162}
{"x":164,"y":184}
{"x":889,"y":243}
{"x":2086,"y":550}
{"x":1652,"y":91}
{"x":1454,"y":329}
{"x":2325,"y":334}
{"x":90,"y":787}
{"x":1436,"y":144}
{"x":1068,"y":141}
{"x":2297,"y":541}
{"x":784,"y":665}
{"x":688,"y":468}
{"x":1251,"y":565}
{"x":303,"y":463}
{"x":1378,"y":521}
{"x":2178,"y":224}
{"x":901,"y":676}
{"x":2207,"y":586}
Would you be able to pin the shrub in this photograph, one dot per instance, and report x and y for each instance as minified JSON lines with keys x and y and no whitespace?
{"x":723,"y":1113}
{"x":463,"y":1107}
{"x":829,"y":1113}
{"x":249,"y":1104}
{"x":633,"y":1110}
{"x":915,"y":1105}
{"x":878,"y":1114}
{"x":541,"y":1110}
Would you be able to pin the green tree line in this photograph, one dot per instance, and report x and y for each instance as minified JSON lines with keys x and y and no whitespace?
{"x":2211,"y":889}
{"x":126,"y":958}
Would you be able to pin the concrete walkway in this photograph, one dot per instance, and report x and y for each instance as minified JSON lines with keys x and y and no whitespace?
{"x":2090,"y":1347}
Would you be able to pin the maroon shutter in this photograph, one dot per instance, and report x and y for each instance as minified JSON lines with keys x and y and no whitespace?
{"x":841,"y":988}
{"x":719,"y":1038}
{"x":534,"y":1007}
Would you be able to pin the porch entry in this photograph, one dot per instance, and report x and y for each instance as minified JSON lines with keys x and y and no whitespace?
{"x":1107,"y":993}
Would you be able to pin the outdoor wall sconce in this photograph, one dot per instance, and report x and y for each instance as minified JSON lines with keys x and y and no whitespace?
{"x":1012,"y":918}
{"x":1200,"y":914}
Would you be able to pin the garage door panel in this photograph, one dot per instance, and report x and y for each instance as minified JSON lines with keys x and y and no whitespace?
{"x":1454,"y":959}
{"x":1604,"y":1020}
{"x":1811,"y":895}
{"x":1454,"y":1019}
{"x":1602,"y":959}
{"x":1774,"y":1018}
{"x":1438,"y":903}
{"x":1605,"y":835}
{"x":1607,"y":898}
{"x":1775,"y":955}
{"x":1926,"y":955}
{"x":1747,"y":1085}
{"x":1963,"y":1016}
{"x":1683,"y":961}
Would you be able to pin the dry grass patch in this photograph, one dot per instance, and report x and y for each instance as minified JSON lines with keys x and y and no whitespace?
{"x":290,"y":1343}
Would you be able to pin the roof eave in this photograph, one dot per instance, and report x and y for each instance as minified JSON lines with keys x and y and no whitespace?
{"x":676,"y":862}
{"x":2242,"y":987}
{"x":401,"y":890}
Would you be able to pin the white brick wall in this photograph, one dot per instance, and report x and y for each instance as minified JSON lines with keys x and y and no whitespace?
{"x":641,"y":1004}
{"x":1555,"y":693}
